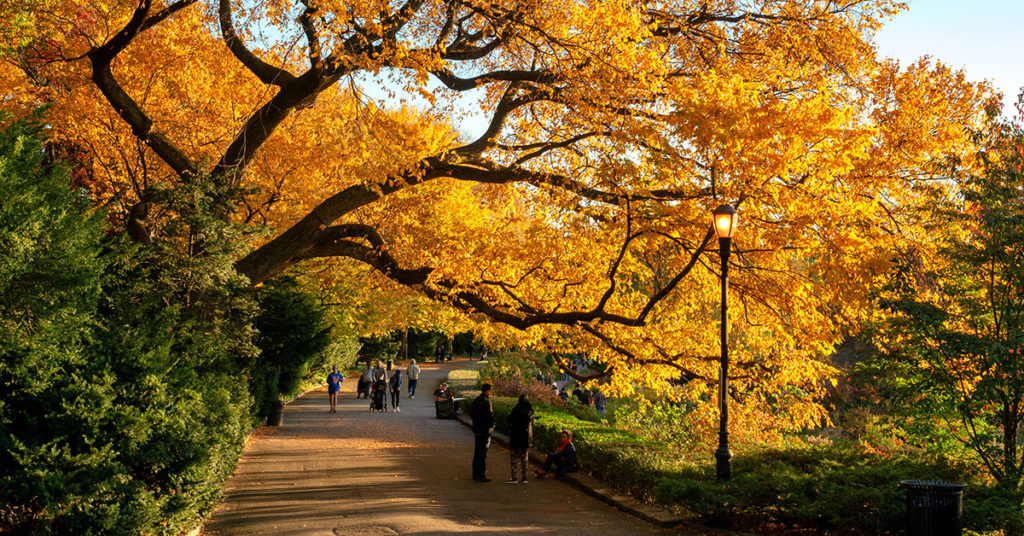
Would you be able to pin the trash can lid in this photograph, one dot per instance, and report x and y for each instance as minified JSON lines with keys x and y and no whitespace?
{"x":932,"y":485}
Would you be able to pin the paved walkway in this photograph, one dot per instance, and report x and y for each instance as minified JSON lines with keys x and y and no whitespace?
{"x":357,"y":473}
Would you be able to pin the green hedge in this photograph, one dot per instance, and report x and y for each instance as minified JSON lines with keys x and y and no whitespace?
{"x":124,"y":371}
{"x":837,"y":488}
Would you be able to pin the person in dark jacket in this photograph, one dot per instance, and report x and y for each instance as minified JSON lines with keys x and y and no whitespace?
{"x":599,"y":401}
{"x":563,"y":458}
{"x":520,"y":434}
{"x":483,"y":426}
{"x":395,"y":387}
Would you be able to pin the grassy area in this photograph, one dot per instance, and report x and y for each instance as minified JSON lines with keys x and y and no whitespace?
{"x":838,"y":487}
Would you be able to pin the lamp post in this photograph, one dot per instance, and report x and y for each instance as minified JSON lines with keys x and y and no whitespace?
{"x":725,"y":226}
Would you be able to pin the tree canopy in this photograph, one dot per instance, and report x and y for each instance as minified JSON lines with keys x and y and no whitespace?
{"x":579,"y":214}
{"x":950,"y":351}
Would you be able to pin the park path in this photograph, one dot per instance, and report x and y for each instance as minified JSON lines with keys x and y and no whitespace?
{"x":362,"y":473}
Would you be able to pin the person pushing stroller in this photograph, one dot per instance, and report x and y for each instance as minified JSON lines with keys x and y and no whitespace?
{"x":379,"y":381}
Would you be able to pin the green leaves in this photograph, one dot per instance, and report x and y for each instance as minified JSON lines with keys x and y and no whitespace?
{"x":122,"y":402}
{"x":953,"y":342}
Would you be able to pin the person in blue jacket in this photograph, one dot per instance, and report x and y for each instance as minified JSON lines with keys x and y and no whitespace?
{"x":334,"y":380}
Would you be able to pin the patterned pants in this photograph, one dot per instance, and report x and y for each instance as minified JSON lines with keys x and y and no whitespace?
{"x":519,"y":455}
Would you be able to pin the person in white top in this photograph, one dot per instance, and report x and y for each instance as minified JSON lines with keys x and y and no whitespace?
{"x":413,"y":375}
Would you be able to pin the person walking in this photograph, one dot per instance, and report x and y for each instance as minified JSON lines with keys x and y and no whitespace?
{"x":520,"y":436}
{"x":395,"y":386}
{"x":599,"y":401}
{"x":379,"y":380}
{"x":413,"y":375}
{"x":366,"y":381}
{"x":334,"y":380}
{"x":379,"y":374}
{"x":483,"y":426}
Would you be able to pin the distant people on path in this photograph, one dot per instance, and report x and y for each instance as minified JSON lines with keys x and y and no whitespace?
{"x":520,"y":437}
{"x":395,"y":387}
{"x":439,"y":353}
{"x":599,"y":401}
{"x":334,"y":380}
{"x":483,"y":426}
{"x":563,"y":459}
{"x":413,"y":375}
{"x":365,"y":381}
{"x":586,"y":398}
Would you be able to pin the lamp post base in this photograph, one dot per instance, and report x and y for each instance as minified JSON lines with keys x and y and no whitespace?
{"x":722,"y":470}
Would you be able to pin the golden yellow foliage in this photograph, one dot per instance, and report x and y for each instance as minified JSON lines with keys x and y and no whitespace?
{"x":577,"y":215}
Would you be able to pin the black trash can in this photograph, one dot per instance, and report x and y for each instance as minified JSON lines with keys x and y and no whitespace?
{"x":276,"y":416}
{"x":934,"y":508}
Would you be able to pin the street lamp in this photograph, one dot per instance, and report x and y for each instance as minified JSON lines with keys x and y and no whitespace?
{"x":725,"y":226}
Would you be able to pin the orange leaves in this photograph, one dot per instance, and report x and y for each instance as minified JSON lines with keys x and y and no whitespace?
{"x":597,"y":113}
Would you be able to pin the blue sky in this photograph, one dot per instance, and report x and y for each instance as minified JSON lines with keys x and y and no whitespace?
{"x":983,"y":37}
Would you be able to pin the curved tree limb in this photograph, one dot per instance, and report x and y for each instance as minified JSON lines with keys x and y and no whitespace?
{"x":141,"y":124}
{"x":268,"y":74}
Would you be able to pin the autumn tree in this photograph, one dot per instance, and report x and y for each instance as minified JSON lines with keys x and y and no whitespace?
{"x":951,"y":350}
{"x":577,"y":213}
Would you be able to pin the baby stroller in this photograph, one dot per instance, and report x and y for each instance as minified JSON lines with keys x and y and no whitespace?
{"x":377,"y":399}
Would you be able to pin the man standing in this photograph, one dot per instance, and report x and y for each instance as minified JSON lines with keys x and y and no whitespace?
{"x":413,"y":374}
{"x":366,"y":381}
{"x":379,"y":374}
{"x":483,"y":425}
{"x":334,"y":380}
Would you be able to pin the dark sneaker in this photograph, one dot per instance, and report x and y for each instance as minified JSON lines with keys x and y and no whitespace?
{"x":511,"y":481}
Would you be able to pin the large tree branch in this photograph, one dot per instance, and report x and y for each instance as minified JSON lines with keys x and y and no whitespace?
{"x":268,"y":74}
{"x":299,"y":92}
{"x":308,"y":234}
{"x":103,"y":56}
{"x":509,"y":102}
{"x":334,"y":241}
{"x":450,"y":80}
{"x":308,"y":22}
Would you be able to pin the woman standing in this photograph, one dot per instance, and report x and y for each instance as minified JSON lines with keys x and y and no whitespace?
{"x":395,"y":386}
{"x":520,"y":424}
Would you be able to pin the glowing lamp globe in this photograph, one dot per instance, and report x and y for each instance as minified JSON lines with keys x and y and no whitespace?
{"x":725,"y":221}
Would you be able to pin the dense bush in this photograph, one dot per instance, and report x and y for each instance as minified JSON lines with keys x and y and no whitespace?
{"x":837,"y":488}
{"x":292,"y":335}
{"x":123,"y":403}
{"x":342,"y":351}
{"x":423,"y":343}
{"x":381,"y":347}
